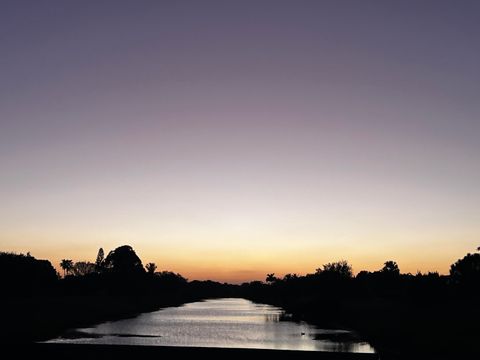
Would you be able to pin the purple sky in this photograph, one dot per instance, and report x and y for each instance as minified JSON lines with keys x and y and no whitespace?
{"x":229,"y":138}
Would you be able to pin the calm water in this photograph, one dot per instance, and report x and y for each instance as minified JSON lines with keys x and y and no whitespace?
{"x":235,"y":323}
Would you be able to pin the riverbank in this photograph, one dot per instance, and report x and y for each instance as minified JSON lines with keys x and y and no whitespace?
{"x":83,"y":351}
{"x":29,"y":319}
{"x":396,"y":329}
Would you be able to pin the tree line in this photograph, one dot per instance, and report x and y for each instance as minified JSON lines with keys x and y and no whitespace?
{"x":121,"y":272}
{"x":20,"y":274}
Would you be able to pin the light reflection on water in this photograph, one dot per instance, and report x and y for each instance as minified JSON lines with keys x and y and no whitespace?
{"x":236,"y":323}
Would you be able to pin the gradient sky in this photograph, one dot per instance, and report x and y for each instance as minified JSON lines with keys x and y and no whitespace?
{"x":227,"y":139}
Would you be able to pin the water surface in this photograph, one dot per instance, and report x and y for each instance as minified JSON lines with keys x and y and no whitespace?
{"x":233,"y":323}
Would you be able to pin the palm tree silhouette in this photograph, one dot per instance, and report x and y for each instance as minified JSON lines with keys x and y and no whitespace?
{"x":67,"y":266}
{"x":151,"y":267}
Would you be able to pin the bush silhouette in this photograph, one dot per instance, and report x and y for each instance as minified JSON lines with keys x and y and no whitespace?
{"x":340,"y":269}
{"x":82,"y":268}
{"x":391,"y":267}
{"x":466,"y":272}
{"x":23,"y":274}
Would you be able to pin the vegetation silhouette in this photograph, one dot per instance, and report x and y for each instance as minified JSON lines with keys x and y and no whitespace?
{"x":38,"y":304}
{"x":100,"y":261}
{"x":391,"y":267}
{"x":465,"y":273}
{"x":123,"y":260}
{"x":151,"y":267}
{"x":23,"y":275}
{"x":400,"y":314}
{"x":67,"y":266}
{"x":82,"y":268}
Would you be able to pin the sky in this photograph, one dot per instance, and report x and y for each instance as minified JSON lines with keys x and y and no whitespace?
{"x":228,"y":139}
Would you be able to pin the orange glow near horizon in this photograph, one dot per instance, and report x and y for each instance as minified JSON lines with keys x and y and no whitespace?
{"x":237,"y":267}
{"x":224,"y":248}
{"x":242,"y":245}
{"x":234,"y":275}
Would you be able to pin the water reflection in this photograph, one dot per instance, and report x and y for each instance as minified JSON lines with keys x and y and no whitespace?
{"x":235,"y":323}
{"x":273,"y":317}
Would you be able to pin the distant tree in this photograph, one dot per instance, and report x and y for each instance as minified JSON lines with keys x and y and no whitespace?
{"x":99,"y":262}
{"x":255,"y":285}
{"x":341,"y":269}
{"x":391,"y":267}
{"x":271,"y":278}
{"x":289,"y":277}
{"x":151,"y":267}
{"x":466,"y":271}
{"x":170,"y":280}
{"x":124,"y":260}
{"x":83,"y":268}
{"x":430,"y":274}
{"x":363,"y":274}
{"x":67,"y":266}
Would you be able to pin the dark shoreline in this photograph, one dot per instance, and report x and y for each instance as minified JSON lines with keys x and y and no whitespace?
{"x":396,"y":329}
{"x":27,"y":320}
{"x":83,"y":351}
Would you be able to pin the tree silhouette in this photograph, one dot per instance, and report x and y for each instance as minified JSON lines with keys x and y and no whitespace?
{"x":83,"y":268}
{"x":124,"y":260}
{"x":271,"y":278}
{"x":170,"y":280}
{"x":151,"y":267}
{"x":391,"y":267}
{"x":466,"y":271}
{"x":99,"y":262}
{"x":67,"y":266}
{"x":23,"y":274}
{"x":341,"y":269}
{"x":290,"y":277}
